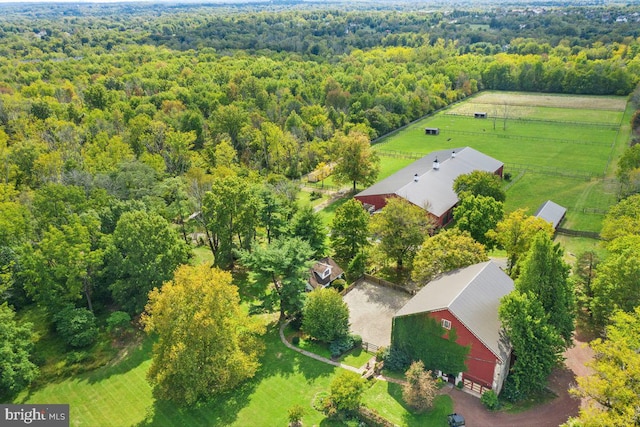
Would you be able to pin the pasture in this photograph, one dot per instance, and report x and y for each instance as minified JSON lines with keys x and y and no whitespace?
{"x":562,"y":148}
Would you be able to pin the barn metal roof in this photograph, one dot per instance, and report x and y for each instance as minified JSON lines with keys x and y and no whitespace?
{"x":431,"y":189}
{"x":551,"y":212}
{"x":472,"y":294}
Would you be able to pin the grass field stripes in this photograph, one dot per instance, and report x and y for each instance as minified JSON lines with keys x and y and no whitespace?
{"x":546,"y":105}
{"x":605,"y":125}
{"x":546,"y":170}
{"x":533,"y":138}
{"x":400,"y":154}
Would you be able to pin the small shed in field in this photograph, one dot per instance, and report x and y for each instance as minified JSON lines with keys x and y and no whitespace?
{"x":551,"y":212}
{"x":480,"y":115}
{"x":432,"y":131}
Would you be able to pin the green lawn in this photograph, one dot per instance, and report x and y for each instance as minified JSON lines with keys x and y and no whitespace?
{"x":119,"y":395}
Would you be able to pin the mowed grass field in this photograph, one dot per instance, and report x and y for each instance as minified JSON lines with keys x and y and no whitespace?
{"x":119,"y":395}
{"x":560,"y":148}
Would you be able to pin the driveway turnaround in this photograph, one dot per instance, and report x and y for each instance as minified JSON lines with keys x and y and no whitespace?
{"x":371,"y":308}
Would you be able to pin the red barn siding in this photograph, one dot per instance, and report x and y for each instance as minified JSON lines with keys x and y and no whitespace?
{"x":377,"y":200}
{"x":480,"y":361}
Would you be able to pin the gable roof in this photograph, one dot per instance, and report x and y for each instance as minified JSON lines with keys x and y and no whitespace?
{"x":432,"y":189}
{"x":472,"y":294}
{"x":551,"y":212}
{"x":317,"y":277}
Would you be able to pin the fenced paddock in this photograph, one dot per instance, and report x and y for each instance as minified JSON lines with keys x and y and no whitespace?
{"x":560,"y":147}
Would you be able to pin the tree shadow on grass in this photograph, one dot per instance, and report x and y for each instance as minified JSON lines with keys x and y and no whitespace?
{"x":129,"y":358}
{"x":222,"y":411}
{"x":436,"y":416}
{"x":281,"y":360}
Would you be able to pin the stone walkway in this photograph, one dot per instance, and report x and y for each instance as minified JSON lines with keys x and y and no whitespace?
{"x":359,"y":371}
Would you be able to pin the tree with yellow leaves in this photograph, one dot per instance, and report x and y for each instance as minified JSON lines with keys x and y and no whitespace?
{"x":207,"y":343}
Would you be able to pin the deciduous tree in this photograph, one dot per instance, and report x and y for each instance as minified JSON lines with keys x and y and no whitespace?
{"x":515,"y":233}
{"x":325,"y":315}
{"x":345,"y":394}
{"x":480,"y":183}
{"x":615,"y":286}
{"x":356,"y":162}
{"x":144,"y":252}
{"x":612,"y":391}
{"x":401,"y":228}
{"x":478,"y":215}
{"x":207,"y":343}
{"x":622,"y":218}
{"x":16,"y":370}
{"x":231,"y":214}
{"x":445,"y":251}
{"x":349,"y":230}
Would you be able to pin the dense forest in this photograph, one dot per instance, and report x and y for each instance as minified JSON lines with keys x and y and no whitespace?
{"x":123,"y":128}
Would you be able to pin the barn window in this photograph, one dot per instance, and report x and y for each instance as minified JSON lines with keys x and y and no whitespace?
{"x":446,"y":324}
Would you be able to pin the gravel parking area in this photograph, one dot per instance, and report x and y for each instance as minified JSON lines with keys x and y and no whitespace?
{"x":371,"y":308}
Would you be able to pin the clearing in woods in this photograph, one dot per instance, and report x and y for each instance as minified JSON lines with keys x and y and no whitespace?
{"x":555,"y":147}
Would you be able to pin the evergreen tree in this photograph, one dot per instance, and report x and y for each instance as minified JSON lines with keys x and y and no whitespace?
{"x":545,"y":275}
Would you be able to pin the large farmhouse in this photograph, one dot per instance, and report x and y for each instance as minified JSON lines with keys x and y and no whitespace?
{"x":428,"y":182}
{"x":452,"y":325}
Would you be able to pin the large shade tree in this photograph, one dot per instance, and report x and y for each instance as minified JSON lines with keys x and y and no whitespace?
{"x":207,"y":343}
{"x":356,"y":161}
{"x":400,"y":227}
{"x":349,"y":230}
{"x":478,"y":215}
{"x":230,"y":211}
{"x":144,"y":252}
{"x":612,"y":391}
{"x":445,"y":251}
{"x":480,"y":183}
{"x":280,"y":272}
{"x":616,"y":284}
{"x":515,"y":232}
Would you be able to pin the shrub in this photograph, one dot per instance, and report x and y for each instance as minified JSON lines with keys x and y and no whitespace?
{"x":510,"y":390}
{"x":396,"y":360}
{"x":420,"y":389}
{"x":76,"y":326}
{"x":296,"y":322}
{"x":341,"y":345}
{"x":357,"y":340}
{"x":296,"y":412}
{"x":490,"y":400}
{"x":315,"y":195}
{"x":339,"y":284}
{"x":325,"y":315}
{"x":295,"y":340}
{"x":118,"y":322}
{"x":507,"y":177}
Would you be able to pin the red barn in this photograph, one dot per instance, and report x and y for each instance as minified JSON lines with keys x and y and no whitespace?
{"x":428,"y":182}
{"x":464,"y":304}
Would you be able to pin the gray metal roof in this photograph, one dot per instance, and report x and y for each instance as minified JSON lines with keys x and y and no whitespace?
{"x":432,"y":189}
{"x":472,"y":294}
{"x":551,"y":212}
